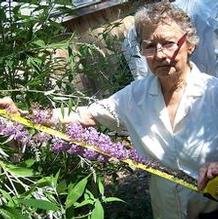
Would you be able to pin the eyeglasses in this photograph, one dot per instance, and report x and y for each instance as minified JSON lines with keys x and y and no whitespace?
{"x":169,"y":48}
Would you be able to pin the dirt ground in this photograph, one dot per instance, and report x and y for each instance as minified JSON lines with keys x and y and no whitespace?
{"x":132,"y":187}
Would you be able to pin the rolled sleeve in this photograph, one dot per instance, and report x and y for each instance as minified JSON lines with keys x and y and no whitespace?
{"x":106,"y":113}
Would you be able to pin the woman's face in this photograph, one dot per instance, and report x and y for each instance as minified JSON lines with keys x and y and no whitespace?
{"x":165,"y":56}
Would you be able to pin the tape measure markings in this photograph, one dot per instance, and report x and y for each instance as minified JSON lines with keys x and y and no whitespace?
{"x":53,"y":132}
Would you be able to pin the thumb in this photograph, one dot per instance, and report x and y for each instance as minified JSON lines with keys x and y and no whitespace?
{"x":202,"y":178}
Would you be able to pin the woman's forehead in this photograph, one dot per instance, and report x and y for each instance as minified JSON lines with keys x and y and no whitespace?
{"x":163,"y":30}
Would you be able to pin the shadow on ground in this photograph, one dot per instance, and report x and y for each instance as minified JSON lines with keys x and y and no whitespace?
{"x":132,"y":187}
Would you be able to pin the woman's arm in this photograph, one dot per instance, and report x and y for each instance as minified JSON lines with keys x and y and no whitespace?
{"x":82,"y":116}
{"x":101,"y":112}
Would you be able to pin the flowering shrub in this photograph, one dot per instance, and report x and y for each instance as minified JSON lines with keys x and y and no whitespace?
{"x":103,"y":149}
{"x":28,"y":141}
{"x":43,"y":194}
{"x":43,"y":176}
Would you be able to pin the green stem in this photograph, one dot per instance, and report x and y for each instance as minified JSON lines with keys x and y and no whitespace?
{"x":45,"y":93}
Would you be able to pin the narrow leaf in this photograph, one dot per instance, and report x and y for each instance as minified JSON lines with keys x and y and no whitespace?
{"x":39,"y":43}
{"x":98,"y":211}
{"x":29,"y":162}
{"x":5,"y":214}
{"x":83,"y":203}
{"x":39,"y":204}
{"x":3,"y":154}
{"x":5,"y":195}
{"x":55,"y":179}
{"x":49,"y":92}
{"x":113,"y":199}
{"x":9,"y":139}
{"x":62,"y":109}
{"x":70,"y":106}
{"x":60,"y":98}
{"x":100,"y":186}
{"x":88,"y":195}
{"x":19,"y":171}
{"x":76,"y":192}
{"x":10,"y":213}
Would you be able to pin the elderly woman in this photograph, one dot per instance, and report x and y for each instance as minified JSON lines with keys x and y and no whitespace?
{"x":203,"y":14}
{"x":171,"y":115}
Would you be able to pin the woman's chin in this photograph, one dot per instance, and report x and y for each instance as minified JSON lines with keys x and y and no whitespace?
{"x":163,"y":71}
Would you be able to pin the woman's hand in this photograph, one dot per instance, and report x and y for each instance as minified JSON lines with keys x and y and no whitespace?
{"x":82,"y":116}
{"x":207,"y":172}
{"x":8,"y":104}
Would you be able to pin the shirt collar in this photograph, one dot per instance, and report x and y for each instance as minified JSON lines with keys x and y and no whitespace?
{"x":194,"y":83}
{"x":155,"y":88}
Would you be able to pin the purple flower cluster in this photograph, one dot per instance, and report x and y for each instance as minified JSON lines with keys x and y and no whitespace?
{"x":40,"y":116}
{"x":59,"y":145}
{"x":84,"y":136}
{"x":41,"y":137}
{"x":14,"y":131}
{"x":90,"y":136}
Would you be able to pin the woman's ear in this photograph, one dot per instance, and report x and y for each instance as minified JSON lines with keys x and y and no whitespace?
{"x":191,"y":49}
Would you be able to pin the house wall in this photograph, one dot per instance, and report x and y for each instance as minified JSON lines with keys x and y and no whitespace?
{"x":103,"y":13}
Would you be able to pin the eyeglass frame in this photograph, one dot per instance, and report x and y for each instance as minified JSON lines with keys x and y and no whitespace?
{"x":179,"y":44}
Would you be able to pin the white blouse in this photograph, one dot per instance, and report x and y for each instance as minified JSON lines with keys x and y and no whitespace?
{"x":193,"y":140}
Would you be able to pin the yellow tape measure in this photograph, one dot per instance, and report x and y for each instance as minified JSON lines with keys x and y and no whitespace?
{"x":210,"y":191}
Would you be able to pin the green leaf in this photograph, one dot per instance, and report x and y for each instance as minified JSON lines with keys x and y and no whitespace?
{"x":113,"y":199}
{"x":70,"y":51}
{"x":34,"y":63}
{"x":19,"y":171}
{"x":3,"y":154}
{"x":6,"y":196}
{"x":76,"y":192}
{"x":60,"y":98}
{"x":9,"y":139}
{"x":62,"y":187}
{"x":55,"y":179}
{"x":88,"y":195}
{"x":70,"y":106}
{"x":49,"y":92}
{"x":83,"y":203}
{"x":39,"y":43}
{"x":45,"y":181}
{"x":100,"y":185}
{"x":98,"y":211}
{"x":17,"y":214}
{"x":62,"y":109}
{"x":29,"y":162}
{"x":10,"y":213}
{"x":60,"y":45}
{"x":39,"y":204}
{"x":5,"y":214}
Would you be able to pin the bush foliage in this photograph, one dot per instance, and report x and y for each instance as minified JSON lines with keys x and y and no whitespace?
{"x":38,"y":183}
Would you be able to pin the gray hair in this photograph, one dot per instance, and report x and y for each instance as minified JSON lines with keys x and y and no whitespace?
{"x":153,"y":14}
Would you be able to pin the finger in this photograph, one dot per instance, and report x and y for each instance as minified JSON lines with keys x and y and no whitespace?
{"x":13,"y":110}
{"x":202,"y":178}
{"x":8,"y":104}
{"x":5,"y":101}
{"x":212,"y":170}
{"x":23,"y":112}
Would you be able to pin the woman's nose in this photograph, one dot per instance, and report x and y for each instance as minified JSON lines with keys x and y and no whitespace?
{"x":160,"y":52}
